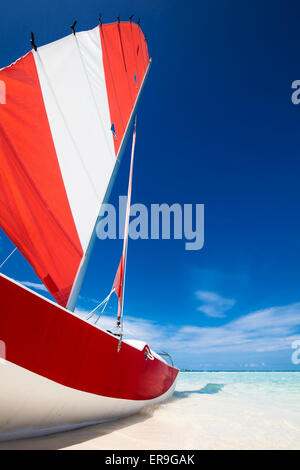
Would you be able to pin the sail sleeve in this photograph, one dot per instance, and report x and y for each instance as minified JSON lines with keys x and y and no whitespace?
{"x":118,"y":284}
{"x":67,"y":110}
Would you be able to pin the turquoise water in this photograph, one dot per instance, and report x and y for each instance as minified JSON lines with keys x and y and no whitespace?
{"x":234,"y":410}
{"x":249,"y":383}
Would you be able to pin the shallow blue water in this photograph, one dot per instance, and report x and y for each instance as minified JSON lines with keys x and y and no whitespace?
{"x":238,"y":382}
{"x":234,"y":410}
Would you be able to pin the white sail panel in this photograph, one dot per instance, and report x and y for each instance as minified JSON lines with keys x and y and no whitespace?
{"x":72,"y":80}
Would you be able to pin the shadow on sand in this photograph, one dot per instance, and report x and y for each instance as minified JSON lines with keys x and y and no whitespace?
{"x":65,"y":439}
{"x":209,"y":389}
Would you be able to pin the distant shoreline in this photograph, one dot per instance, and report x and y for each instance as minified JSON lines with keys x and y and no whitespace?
{"x":208,"y":370}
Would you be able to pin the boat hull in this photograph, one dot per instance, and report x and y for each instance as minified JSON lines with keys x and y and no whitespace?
{"x":32,"y":405}
{"x":61,"y":372}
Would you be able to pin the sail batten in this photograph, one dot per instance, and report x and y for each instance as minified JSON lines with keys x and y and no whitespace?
{"x":57,"y":148}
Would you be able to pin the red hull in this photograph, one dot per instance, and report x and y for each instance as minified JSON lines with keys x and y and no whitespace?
{"x":46,"y":339}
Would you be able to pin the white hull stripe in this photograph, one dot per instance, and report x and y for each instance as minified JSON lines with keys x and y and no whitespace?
{"x":42,"y":406}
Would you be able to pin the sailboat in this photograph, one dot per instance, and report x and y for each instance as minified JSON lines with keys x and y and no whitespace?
{"x":70,"y":107}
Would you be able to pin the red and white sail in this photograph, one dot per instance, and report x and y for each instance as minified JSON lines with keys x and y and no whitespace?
{"x":68,"y":106}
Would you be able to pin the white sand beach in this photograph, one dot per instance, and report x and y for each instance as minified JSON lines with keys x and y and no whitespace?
{"x":209,"y":410}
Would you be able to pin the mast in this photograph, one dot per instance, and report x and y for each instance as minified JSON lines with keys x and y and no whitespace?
{"x":85,"y":260}
{"x":119,"y":282}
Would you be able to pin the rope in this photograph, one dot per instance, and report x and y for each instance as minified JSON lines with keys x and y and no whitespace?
{"x":125,"y":244}
{"x":105,"y":301}
{"x":8,"y":257}
{"x":125,"y":247}
{"x":104,"y":307}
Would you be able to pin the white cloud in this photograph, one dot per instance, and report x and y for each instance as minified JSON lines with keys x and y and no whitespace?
{"x":213,"y":304}
{"x":34,"y":285}
{"x":264,"y":330}
{"x":271,"y":329}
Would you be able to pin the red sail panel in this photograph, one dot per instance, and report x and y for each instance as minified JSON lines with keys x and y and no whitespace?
{"x":125,"y":60}
{"x":34,"y":208}
{"x":118,"y":283}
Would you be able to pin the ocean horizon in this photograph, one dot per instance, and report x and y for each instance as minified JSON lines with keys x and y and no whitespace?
{"x":238,"y":370}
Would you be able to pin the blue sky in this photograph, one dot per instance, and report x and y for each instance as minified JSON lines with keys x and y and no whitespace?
{"x":216,"y":126}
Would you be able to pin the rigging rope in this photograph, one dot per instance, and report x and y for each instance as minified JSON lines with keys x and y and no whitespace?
{"x":104,"y":307}
{"x":127,"y":216}
{"x":105,"y":301}
{"x":8,"y":257}
{"x":125,"y":242}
